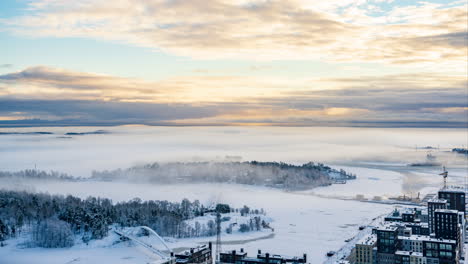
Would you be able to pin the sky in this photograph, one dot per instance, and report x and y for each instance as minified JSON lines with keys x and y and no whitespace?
{"x":237,"y":62}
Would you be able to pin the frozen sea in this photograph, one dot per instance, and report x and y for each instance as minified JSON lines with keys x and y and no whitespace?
{"x":311,"y":222}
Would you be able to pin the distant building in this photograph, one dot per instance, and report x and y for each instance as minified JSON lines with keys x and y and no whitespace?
{"x":413,"y":243}
{"x":232,"y":256}
{"x":409,"y":257}
{"x":387,"y":244}
{"x":365,"y":250}
{"x":432,"y":205}
{"x":446,"y":224}
{"x":455,"y":198}
{"x":413,"y":215}
{"x":394,"y":216}
{"x":200,"y":254}
{"x":242,"y":258}
{"x":408,"y":216}
{"x":418,"y":228}
{"x":417,"y":236}
{"x":440,"y":251}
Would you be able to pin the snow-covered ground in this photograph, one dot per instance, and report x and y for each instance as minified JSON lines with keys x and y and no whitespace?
{"x":98,"y":251}
{"x":302,"y":223}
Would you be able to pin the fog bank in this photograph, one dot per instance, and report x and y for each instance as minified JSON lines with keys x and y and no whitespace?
{"x":126,"y":146}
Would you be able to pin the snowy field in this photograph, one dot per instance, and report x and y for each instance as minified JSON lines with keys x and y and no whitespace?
{"x":98,"y":252}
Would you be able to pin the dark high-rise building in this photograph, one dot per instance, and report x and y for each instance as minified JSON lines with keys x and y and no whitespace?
{"x":455,"y":198}
{"x":446,"y":224}
{"x":432,"y":205}
{"x":387,"y":244}
{"x":440,"y":251}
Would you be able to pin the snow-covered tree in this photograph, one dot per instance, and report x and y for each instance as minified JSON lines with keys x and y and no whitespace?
{"x":53,"y":233}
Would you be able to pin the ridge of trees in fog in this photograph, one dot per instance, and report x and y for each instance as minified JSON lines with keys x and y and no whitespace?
{"x":274,"y":174}
{"x":32,"y":174}
{"x":55,"y":220}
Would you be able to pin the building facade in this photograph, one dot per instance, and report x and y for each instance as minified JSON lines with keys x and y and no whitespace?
{"x":455,"y":198}
{"x":446,"y":224}
{"x":364,"y":251}
{"x":432,"y":205}
{"x":200,"y":255}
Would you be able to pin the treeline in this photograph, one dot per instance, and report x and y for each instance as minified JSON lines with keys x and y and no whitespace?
{"x":55,"y":219}
{"x":36,"y":175}
{"x":274,"y":174}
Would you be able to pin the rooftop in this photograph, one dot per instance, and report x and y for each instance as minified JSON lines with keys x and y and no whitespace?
{"x":281,"y":257}
{"x":421,"y":224}
{"x":426,"y":238}
{"x":188,"y":253}
{"x":437,"y":200}
{"x":237,"y":253}
{"x":453,"y":189}
{"x":262,"y":260}
{"x":368,"y":240}
{"x":387,"y":228}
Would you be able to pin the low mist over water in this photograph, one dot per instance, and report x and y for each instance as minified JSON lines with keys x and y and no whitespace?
{"x":80,"y":150}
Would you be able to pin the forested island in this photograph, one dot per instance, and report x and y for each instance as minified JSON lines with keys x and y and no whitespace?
{"x":273,"y":174}
{"x":36,"y":175}
{"x":56,"y":220}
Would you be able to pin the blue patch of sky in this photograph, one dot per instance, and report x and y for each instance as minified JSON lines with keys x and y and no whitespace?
{"x":12,"y":8}
{"x":387,"y":6}
{"x":88,"y":55}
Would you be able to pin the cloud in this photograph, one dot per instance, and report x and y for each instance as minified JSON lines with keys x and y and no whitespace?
{"x":58,"y":82}
{"x":79,"y":111}
{"x":7,"y":65}
{"x":68,"y":97}
{"x":46,"y":82}
{"x":281,"y":29}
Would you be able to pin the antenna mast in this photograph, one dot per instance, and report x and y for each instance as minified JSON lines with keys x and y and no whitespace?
{"x":445,"y":175}
{"x":218,"y":236}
